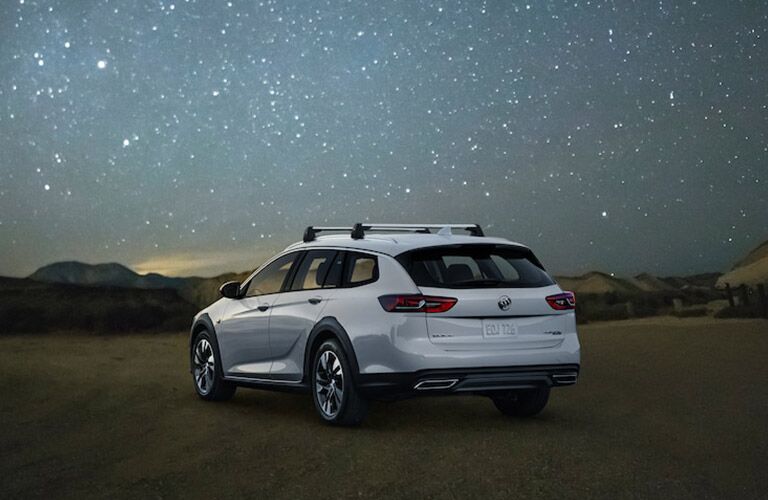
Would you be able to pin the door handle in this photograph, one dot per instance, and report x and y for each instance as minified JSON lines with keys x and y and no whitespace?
{"x":263,"y":307}
{"x":315,"y":300}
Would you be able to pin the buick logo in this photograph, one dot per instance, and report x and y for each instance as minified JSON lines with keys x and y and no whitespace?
{"x":504,"y":302}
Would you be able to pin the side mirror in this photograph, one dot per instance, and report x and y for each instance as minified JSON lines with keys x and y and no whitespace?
{"x":230,"y":290}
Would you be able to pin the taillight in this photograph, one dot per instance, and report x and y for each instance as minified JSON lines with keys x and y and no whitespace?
{"x":416,"y":303}
{"x":562,"y":301}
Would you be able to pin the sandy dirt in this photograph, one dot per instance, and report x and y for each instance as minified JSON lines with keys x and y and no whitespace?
{"x":664,"y":408}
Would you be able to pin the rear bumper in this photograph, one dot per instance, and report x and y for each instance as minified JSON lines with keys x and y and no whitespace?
{"x":465,"y":381}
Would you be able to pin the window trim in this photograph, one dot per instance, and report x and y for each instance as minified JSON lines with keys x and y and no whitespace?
{"x":340,"y":253}
{"x":288,"y":278}
{"x":345,"y":251}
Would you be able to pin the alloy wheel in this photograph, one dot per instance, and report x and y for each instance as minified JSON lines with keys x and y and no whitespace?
{"x":329,"y":383}
{"x":205,"y":366}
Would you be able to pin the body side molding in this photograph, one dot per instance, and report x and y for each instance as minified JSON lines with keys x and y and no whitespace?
{"x":331,"y":325}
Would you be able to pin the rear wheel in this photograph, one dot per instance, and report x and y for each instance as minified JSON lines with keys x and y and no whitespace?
{"x":522,"y":403}
{"x":206,"y":372}
{"x":334,"y":393}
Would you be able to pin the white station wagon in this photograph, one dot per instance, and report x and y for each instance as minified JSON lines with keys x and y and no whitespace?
{"x":388,"y":311}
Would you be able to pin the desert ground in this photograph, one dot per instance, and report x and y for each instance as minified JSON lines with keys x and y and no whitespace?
{"x":665,"y":408}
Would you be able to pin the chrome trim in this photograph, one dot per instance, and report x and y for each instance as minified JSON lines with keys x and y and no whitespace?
{"x":265,"y":380}
{"x":435,"y":384}
{"x":565,"y":378}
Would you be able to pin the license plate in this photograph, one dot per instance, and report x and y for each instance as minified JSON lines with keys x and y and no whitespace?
{"x":498,"y":329}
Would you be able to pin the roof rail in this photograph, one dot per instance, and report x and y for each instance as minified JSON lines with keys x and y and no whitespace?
{"x":311,"y":231}
{"x":358,"y":230}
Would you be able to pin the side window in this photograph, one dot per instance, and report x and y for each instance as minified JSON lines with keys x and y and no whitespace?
{"x":271,"y":278}
{"x":313,"y":270}
{"x":361,"y":269}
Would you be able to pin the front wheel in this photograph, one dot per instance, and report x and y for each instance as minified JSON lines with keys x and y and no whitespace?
{"x":334,"y":393}
{"x":206,"y":372}
{"x":522,"y":403}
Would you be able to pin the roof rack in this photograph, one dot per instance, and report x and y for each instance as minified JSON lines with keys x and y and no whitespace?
{"x":358,"y":230}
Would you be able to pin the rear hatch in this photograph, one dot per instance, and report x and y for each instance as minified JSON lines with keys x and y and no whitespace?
{"x":478,"y":322}
{"x":501,"y":293}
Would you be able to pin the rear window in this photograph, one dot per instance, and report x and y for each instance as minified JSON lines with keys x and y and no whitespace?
{"x":475,"y":266}
{"x":361,"y":269}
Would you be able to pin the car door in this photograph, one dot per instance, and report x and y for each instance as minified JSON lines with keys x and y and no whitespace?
{"x":296,"y":311}
{"x":243,"y":333}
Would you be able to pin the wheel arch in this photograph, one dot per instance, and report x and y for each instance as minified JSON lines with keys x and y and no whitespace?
{"x":204,"y":323}
{"x":325,"y":329}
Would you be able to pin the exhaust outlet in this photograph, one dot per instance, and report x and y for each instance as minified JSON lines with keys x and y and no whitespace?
{"x":435,"y":384}
{"x":564,"y":378}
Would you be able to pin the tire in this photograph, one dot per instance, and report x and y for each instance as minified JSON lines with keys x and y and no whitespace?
{"x":522,"y":403}
{"x":206,"y":370}
{"x":336,"y":398}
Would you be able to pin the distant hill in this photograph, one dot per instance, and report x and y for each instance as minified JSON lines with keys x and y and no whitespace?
{"x":756,"y":255}
{"x":111,"y":297}
{"x":597,"y":283}
{"x":202,"y":292}
{"x":36,"y":307}
{"x":650,"y":283}
{"x":703,"y":281}
{"x":750,"y":270}
{"x":198,"y":291}
{"x":111,"y":274}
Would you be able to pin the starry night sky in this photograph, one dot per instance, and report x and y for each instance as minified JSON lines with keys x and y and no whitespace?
{"x":197,"y":137}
